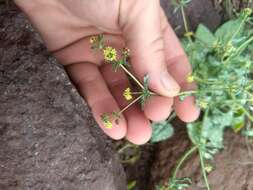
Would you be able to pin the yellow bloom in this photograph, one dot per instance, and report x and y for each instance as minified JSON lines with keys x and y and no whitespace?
{"x":190,"y":79}
{"x":125,"y":52}
{"x":106,"y":121}
{"x":128,"y":94}
{"x":189,"y":34}
{"x":93,"y":39}
{"x":108,"y":124}
{"x":203,"y":104}
{"x":247,"y":11}
{"x":110,"y":54}
{"x":208,"y":168}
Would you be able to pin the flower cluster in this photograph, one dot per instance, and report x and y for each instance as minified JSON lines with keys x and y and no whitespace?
{"x":111,"y":56}
{"x":128,"y":94}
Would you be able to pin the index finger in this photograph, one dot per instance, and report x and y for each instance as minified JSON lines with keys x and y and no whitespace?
{"x":179,"y":67}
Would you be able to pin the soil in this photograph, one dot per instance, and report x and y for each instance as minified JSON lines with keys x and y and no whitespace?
{"x":233,"y":166}
{"x":48,"y":138}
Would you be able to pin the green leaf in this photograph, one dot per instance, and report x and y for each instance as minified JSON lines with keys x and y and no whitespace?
{"x":176,"y":184}
{"x":214,"y":125}
{"x":227,"y":30}
{"x":248,"y":133}
{"x":161,"y":131}
{"x":238,"y":121}
{"x":205,"y":35}
{"x":194,"y":132}
{"x":131,"y":185}
{"x":145,"y":92}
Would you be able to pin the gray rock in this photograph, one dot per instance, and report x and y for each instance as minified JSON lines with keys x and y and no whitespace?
{"x":197,"y":11}
{"x":48,"y":138}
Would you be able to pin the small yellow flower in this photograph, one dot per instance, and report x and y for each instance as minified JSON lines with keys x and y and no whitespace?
{"x":209,"y":168}
{"x":189,"y":34}
{"x":93,"y":40}
{"x":229,"y":49}
{"x":110,"y":54}
{"x":247,"y":11}
{"x":190,"y":78}
{"x":106,"y":121}
{"x":128,"y":94}
{"x":203,"y":104}
{"x":108,"y":125}
{"x":97,"y":42}
{"x":125,"y":52}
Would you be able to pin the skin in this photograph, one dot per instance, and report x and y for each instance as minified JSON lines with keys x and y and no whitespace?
{"x":140,"y":25}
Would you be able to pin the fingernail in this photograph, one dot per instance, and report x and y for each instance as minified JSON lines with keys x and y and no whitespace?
{"x":169,"y":84}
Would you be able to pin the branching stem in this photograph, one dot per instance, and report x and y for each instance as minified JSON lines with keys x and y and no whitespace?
{"x":132,"y":76}
{"x":182,"y":160}
{"x":203,"y":170}
{"x":125,"y":108}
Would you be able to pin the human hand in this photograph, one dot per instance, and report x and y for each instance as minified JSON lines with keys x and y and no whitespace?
{"x":66,"y":27}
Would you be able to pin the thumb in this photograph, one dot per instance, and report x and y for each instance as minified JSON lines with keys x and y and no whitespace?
{"x":140,"y":22}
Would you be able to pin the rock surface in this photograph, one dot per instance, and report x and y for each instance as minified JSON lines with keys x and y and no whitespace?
{"x":197,"y":11}
{"x":233,"y":167}
{"x":48,"y":139}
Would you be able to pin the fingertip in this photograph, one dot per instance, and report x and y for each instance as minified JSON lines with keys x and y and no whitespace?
{"x":91,"y":85}
{"x":186,"y":110}
{"x":119,"y":126}
{"x":158,"y":108}
{"x":163,"y":83}
{"x":139,"y":130}
{"x":118,"y":130}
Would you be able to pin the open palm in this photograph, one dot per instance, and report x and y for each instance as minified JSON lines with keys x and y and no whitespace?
{"x":66,"y":27}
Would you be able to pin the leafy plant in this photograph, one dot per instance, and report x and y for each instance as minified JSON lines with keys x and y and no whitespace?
{"x":111,"y":57}
{"x":161,"y":131}
{"x":222,"y":69}
{"x":131,"y":185}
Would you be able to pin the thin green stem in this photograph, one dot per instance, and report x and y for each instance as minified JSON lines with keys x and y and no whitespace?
{"x":185,"y":22}
{"x":187,"y":93}
{"x":136,"y":93}
{"x":239,"y":49}
{"x":243,"y":108}
{"x":206,"y":81}
{"x":238,"y":30}
{"x":182,"y":160}
{"x":172,"y":116}
{"x":247,"y":113}
{"x":127,"y":145}
{"x":238,"y":100}
{"x":203,"y":170}
{"x":132,"y":76}
{"x":125,"y":108}
{"x":249,"y":86}
{"x":184,"y":18}
{"x":244,"y":44}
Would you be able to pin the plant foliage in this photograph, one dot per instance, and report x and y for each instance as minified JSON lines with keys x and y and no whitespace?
{"x":222,"y":69}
